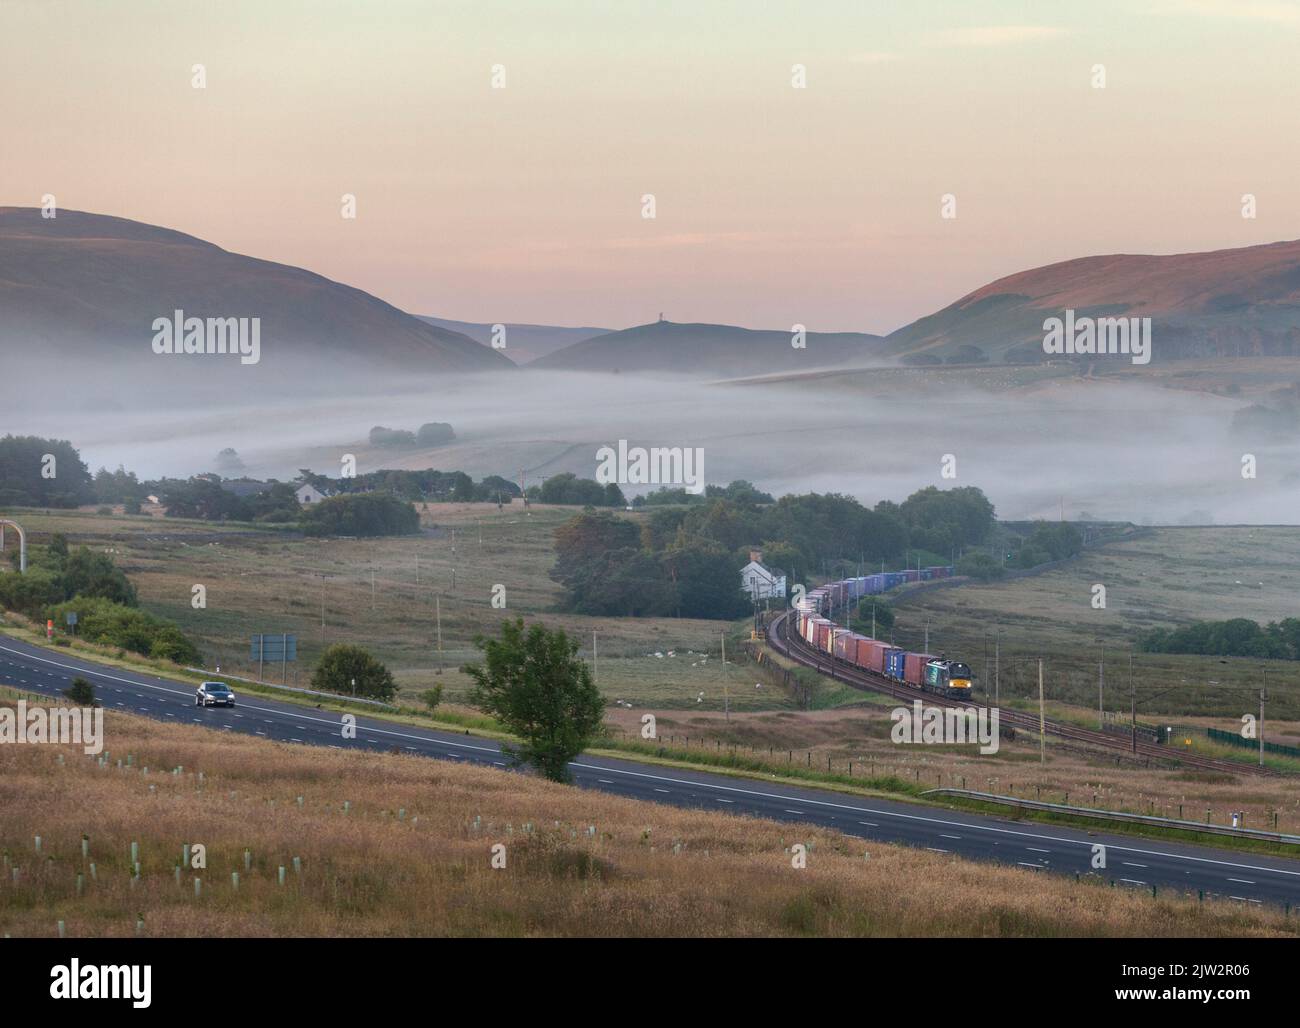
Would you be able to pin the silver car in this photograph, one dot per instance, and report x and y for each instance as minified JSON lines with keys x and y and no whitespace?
{"x":214,"y":694}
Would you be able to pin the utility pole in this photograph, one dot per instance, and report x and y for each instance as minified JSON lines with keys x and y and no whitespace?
{"x":997,"y":644}
{"x":595,"y":659}
{"x":322,"y":608}
{"x":926,"y":647}
{"x":1262,"y":691}
{"x":1101,"y":687}
{"x":372,"y":590}
{"x":1042,"y":723}
{"x":437,"y":608}
{"x":1132,"y":692}
{"x":723,"y":634}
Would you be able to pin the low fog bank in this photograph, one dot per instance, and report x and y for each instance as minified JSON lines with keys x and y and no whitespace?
{"x":1112,"y":450}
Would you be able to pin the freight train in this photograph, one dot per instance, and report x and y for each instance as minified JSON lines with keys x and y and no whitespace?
{"x":813,"y":620}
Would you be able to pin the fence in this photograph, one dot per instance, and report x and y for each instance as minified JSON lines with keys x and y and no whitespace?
{"x":1233,"y":739}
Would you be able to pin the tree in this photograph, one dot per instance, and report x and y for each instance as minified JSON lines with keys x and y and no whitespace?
{"x":362,"y":514}
{"x":343,"y":664}
{"x":81,"y":692}
{"x":539,"y":688}
{"x":432,"y":697}
{"x":435,"y":433}
{"x":29,"y":478}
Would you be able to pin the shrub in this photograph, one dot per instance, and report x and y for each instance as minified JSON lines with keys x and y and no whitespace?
{"x":343,"y":664}
{"x":81,"y":692}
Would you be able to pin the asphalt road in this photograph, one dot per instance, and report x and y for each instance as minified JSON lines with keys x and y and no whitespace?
{"x":1131,"y":862}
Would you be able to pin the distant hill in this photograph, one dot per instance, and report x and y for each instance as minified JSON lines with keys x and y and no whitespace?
{"x":524,"y":343}
{"x":669,"y":348}
{"x":1223,"y":303}
{"x":88,"y":287}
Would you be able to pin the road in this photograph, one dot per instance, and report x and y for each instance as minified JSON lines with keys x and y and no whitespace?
{"x":1131,"y":862}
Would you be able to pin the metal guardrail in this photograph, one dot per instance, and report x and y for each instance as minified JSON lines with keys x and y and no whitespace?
{"x":338,"y":696}
{"x":1120,"y":815}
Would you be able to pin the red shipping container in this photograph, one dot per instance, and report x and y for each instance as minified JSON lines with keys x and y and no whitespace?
{"x":876,"y":656}
{"x":823,"y":634}
{"x":862,"y":651}
{"x":914,"y":667}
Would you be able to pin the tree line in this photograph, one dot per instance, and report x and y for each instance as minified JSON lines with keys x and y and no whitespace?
{"x":685,"y":560}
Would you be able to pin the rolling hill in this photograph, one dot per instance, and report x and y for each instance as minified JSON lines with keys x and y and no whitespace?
{"x":87,"y":287}
{"x":669,"y":348}
{"x":524,"y":343}
{"x":1222,"y":303}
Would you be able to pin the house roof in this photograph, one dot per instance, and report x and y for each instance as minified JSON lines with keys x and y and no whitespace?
{"x":767,"y":572}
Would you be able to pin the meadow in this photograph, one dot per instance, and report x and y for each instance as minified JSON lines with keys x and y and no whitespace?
{"x":387,"y":845}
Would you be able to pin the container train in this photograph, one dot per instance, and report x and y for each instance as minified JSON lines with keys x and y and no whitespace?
{"x":813,"y":619}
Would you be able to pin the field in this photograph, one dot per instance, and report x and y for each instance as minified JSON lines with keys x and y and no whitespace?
{"x":389,"y":595}
{"x":1162,"y":577}
{"x":268,"y":581}
{"x":396,"y":845}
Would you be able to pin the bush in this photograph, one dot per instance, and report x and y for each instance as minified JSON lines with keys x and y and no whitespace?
{"x":432,"y":697}
{"x":981,"y":567}
{"x":343,"y":664}
{"x":392,"y":437}
{"x":361,"y":514}
{"x":111,"y":624}
{"x":435,"y":433}
{"x":81,"y":692}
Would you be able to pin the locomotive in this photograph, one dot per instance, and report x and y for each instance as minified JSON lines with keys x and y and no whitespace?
{"x":951,"y":679}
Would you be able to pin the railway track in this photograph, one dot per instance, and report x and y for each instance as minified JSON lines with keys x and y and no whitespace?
{"x":796,"y":649}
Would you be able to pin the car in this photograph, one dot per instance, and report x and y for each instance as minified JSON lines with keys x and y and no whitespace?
{"x":214,"y":694}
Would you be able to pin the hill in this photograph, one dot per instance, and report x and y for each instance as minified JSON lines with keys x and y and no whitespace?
{"x":524,"y":343}
{"x":88,"y":287}
{"x":669,"y":348}
{"x":1222,"y":303}
{"x":382,"y":845}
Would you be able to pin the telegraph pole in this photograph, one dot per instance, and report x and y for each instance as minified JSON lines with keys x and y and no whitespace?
{"x":1042,"y":724}
{"x":1132,"y":692}
{"x":437,"y":608}
{"x":1101,"y":686}
{"x":1262,"y":691}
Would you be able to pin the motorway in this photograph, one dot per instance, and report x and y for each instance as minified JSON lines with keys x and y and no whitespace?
{"x":1035,"y":848}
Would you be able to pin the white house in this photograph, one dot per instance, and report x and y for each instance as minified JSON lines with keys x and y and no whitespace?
{"x":308,"y":494}
{"x":760,"y":582}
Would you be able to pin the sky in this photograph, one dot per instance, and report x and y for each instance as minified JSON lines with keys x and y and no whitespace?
{"x":774,"y":205}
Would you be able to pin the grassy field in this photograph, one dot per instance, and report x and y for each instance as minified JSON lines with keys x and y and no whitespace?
{"x":389,"y":595}
{"x":1163,"y":577}
{"x":397,"y":845}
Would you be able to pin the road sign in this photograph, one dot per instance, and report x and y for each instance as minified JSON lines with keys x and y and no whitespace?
{"x":71,"y":618}
{"x":277,"y":647}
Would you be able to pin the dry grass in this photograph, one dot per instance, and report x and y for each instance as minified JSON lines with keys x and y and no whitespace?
{"x":1077,"y":775}
{"x":1164,"y":577}
{"x":267,"y":581}
{"x":646,"y":870}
